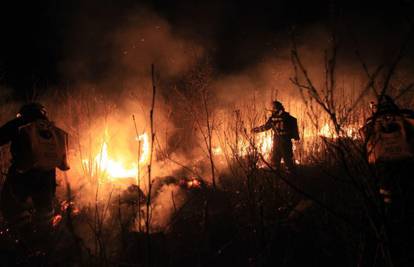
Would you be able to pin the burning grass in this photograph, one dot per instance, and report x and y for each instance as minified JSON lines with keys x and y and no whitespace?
{"x":103,"y":203}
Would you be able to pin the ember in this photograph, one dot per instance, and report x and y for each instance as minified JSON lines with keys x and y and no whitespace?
{"x":56,"y":220}
{"x":193,"y":183}
{"x":65,"y":205}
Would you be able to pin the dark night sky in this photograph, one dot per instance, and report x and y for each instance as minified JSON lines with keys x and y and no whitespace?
{"x":38,"y":35}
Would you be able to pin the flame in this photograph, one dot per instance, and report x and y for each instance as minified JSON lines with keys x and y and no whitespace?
{"x":145,"y":148}
{"x":327,"y":131}
{"x":114,"y":168}
{"x":120,"y":167}
{"x":263,"y":143}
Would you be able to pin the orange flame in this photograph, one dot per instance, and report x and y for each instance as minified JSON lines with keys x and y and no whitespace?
{"x":56,"y":220}
{"x":114,"y":168}
{"x":328,"y":131}
{"x":120,"y":167}
{"x":263,"y":143}
{"x":193,"y":183}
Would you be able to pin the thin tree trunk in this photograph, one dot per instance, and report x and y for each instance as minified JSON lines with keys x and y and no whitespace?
{"x":148,"y":204}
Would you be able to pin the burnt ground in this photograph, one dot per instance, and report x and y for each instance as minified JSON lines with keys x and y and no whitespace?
{"x":250,"y":221}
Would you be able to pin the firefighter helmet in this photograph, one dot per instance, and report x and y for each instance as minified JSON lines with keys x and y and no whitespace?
{"x":32,"y":110}
{"x":387,"y":104}
{"x":277,"y":106}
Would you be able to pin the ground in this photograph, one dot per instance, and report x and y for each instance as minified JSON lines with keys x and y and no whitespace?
{"x":247,"y":221}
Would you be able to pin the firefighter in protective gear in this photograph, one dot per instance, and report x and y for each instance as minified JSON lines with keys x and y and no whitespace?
{"x":37,"y":147}
{"x":389,"y":139}
{"x":285,"y":128}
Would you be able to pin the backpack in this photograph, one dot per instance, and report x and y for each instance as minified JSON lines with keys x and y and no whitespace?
{"x":45,"y":147}
{"x":389,"y":140}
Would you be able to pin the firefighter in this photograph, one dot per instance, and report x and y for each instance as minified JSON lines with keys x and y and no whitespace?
{"x":37,"y":147}
{"x":285,"y":128}
{"x":389,"y":144}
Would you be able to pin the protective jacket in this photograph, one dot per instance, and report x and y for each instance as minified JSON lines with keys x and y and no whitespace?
{"x":282,"y":124}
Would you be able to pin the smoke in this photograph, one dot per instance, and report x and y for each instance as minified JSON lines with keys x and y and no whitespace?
{"x":121,"y":54}
{"x":239,"y":60}
{"x":169,"y":200}
{"x":108,"y":67}
{"x":112,"y":55}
